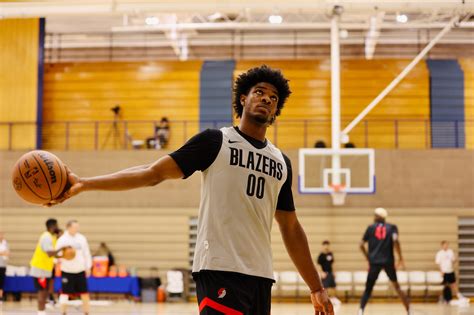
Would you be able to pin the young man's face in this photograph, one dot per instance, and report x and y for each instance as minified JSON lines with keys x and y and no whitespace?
{"x":73,"y":228}
{"x":445,"y":245}
{"x":261,"y":103}
{"x":326,"y":248}
{"x":54,"y":228}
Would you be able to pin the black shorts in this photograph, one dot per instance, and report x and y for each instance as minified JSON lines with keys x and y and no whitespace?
{"x":74,"y":283}
{"x":221,"y":292}
{"x":449,"y":278}
{"x":389,"y":270}
{"x":3,"y":270}
{"x":329,"y":281}
{"x":40,"y":283}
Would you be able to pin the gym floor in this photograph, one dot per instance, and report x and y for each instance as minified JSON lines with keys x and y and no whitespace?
{"x":125,"y":308}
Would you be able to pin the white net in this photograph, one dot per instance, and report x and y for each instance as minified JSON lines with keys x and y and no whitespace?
{"x":338,"y":195}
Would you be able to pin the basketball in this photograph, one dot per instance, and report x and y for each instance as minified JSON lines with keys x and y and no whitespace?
{"x":39,"y":177}
{"x":69,"y":253}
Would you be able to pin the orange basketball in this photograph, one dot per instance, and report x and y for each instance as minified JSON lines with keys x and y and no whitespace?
{"x":69,"y":253}
{"x":39,"y":177}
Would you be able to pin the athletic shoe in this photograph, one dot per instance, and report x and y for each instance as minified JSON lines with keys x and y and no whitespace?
{"x":335,"y":301}
{"x":49,"y":306}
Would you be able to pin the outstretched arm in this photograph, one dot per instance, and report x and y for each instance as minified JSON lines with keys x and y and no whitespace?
{"x":131,"y":178}
{"x":297,"y":246}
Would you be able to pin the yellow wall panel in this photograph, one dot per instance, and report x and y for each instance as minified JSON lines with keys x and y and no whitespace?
{"x":468,"y":68}
{"x":19,"y":42}
{"x":84,"y":93}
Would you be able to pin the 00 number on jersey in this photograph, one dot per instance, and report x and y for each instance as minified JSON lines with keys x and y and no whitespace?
{"x":255,"y":186}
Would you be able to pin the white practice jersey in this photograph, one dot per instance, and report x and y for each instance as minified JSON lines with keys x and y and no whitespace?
{"x":242,"y":186}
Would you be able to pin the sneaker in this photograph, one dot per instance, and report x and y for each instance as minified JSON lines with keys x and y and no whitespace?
{"x":49,"y":306}
{"x":454,"y":302}
{"x":335,"y":301}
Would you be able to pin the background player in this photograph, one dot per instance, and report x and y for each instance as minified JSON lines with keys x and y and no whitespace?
{"x":42,"y":263}
{"x":382,"y":238}
{"x":326,"y":262}
{"x":74,"y":272}
{"x":445,"y":259}
{"x":246,"y":183}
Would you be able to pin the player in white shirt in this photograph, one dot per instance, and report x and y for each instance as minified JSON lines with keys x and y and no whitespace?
{"x":246,"y":184}
{"x":445,"y":259}
{"x":74,"y":272}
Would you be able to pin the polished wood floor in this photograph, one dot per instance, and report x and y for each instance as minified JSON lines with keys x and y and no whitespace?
{"x":125,"y":308}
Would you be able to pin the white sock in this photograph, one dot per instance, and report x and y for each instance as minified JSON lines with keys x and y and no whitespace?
{"x":41,"y":313}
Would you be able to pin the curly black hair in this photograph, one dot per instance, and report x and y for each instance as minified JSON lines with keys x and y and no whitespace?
{"x":249,"y":79}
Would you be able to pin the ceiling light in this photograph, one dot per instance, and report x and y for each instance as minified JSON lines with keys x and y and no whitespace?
{"x":402,"y":18}
{"x":152,"y":20}
{"x":275,"y":19}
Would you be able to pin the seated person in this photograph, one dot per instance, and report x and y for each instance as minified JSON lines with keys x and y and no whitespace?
{"x":162,"y":134}
{"x":320,"y":144}
{"x":104,"y":250}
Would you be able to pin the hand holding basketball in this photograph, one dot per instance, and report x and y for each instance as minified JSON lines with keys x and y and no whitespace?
{"x":73,"y":187}
{"x":322,"y":304}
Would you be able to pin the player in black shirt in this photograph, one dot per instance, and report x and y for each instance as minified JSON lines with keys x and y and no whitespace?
{"x":382,"y":238}
{"x":325,"y":261}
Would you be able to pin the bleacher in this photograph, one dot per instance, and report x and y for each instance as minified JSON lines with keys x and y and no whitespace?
{"x":419,"y":284}
{"x":403,"y":112}
{"x":84,"y":93}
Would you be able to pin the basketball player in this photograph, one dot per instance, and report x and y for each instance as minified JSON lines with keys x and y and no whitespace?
{"x":382,"y":238}
{"x":326,"y":261}
{"x":74,"y":272}
{"x":246,"y":183}
{"x":42,"y":263}
{"x":445,"y":259}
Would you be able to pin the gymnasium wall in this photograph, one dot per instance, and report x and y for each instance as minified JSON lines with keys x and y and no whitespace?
{"x":405,"y":178}
{"x":84,"y":93}
{"x":19,"y":66}
{"x":468,"y":67}
{"x":424,"y":191}
{"x":145,"y":237}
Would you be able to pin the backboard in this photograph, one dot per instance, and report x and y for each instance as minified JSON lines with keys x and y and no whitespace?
{"x":324,"y":171}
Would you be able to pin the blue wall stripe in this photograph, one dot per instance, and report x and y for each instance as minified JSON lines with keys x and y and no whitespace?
{"x":215,"y":97}
{"x":39,"y":101}
{"x":446,"y":104}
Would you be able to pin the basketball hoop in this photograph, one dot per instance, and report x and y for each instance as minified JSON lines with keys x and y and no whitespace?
{"x":338,"y":194}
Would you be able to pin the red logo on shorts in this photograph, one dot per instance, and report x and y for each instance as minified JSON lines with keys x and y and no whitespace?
{"x":42,"y":282}
{"x":221,"y":293}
